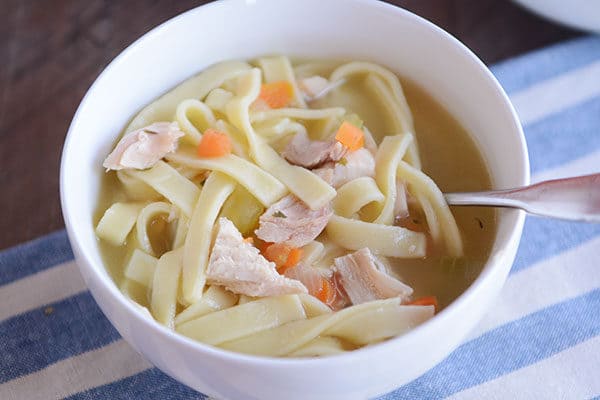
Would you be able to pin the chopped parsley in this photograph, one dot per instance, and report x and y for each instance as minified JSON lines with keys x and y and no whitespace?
{"x":279,"y":214}
{"x":343,"y":161}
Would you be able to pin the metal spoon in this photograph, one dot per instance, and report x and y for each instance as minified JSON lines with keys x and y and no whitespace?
{"x":576,"y":199}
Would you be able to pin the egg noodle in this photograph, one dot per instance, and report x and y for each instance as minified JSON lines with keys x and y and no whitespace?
{"x":184,"y":195}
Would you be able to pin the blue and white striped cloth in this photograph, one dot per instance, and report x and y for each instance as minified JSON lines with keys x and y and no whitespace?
{"x":540,"y":340}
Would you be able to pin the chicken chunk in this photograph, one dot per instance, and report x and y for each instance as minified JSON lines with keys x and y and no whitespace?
{"x":355,"y":165}
{"x":311,"y":153}
{"x":363,"y":278}
{"x":312,"y":278}
{"x":144,"y":147}
{"x":292,"y":222}
{"x":239,"y":267}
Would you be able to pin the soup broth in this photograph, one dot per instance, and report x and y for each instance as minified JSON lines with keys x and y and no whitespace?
{"x":447,"y":154}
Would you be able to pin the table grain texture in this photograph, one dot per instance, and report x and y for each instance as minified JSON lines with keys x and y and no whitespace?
{"x":52,"y":50}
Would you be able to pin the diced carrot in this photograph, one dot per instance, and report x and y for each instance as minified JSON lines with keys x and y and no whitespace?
{"x":214,"y":144}
{"x":278,"y":253}
{"x":425,"y":301}
{"x":350,"y":136}
{"x":293,"y":257}
{"x":276,"y":94}
{"x":262,"y":246}
{"x":282,"y":268}
{"x":283,"y":255}
{"x":326,"y":292}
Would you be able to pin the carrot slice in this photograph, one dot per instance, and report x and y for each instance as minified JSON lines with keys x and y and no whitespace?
{"x":276,"y":94}
{"x":425,"y":301}
{"x":350,"y":136}
{"x":326,"y":292}
{"x":293,"y":257}
{"x":214,"y":144}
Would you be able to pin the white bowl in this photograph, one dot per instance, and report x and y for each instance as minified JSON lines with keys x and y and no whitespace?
{"x":578,"y":14}
{"x":236,"y":29}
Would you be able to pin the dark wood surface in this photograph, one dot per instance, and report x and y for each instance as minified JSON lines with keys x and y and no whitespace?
{"x":52,"y":50}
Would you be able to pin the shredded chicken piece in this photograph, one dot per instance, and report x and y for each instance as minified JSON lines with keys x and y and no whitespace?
{"x":292,"y":222}
{"x":356,"y":164}
{"x":325,"y":173}
{"x":239,"y":267}
{"x":309,"y":276}
{"x":144,"y":147}
{"x":312,"y":153}
{"x":364,"y":279}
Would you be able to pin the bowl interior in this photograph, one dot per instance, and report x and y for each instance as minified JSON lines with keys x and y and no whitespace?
{"x":349,"y":29}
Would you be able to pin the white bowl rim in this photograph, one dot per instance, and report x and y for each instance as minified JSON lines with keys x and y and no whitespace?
{"x":195,"y":346}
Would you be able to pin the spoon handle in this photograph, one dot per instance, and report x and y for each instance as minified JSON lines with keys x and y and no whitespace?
{"x":576,"y":199}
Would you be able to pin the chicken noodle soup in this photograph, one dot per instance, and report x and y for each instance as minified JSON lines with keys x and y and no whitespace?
{"x":292,"y":209}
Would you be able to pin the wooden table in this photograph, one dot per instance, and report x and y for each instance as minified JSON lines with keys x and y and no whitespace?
{"x":52,"y":50}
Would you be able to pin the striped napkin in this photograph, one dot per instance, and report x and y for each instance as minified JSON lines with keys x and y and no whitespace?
{"x":540,"y":340}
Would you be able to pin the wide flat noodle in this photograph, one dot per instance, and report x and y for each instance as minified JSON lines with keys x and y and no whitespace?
{"x":243,"y":320}
{"x":261,"y":184}
{"x":356,"y":194}
{"x":385,"y":240}
{"x":279,"y":68}
{"x":304,"y":184}
{"x":196,"y":87}
{"x":117,"y":222}
{"x":146,"y":216}
{"x":136,"y":189}
{"x":390,"y":79}
{"x":422,"y":184}
{"x":217,"y":99}
{"x":287,"y":338}
{"x":141,"y":267}
{"x":319,"y":347}
{"x":164,"y":287}
{"x":313,"y":307}
{"x":183,"y":224}
{"x":390,"y":153}
{"x":171,"y":184}
{"x":312,"y":252}
{"x":315,"y":67}
{"x":194,"y":117}
{"x":380,"y":323}
{"x":277,"y":128}
{"x":308,"y":187}
{"x":386,"y":86}
{"x":433,"y":222}
{"x":215,"y":298}
{"x":298,"y":114}
{"x":197,"y":243}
